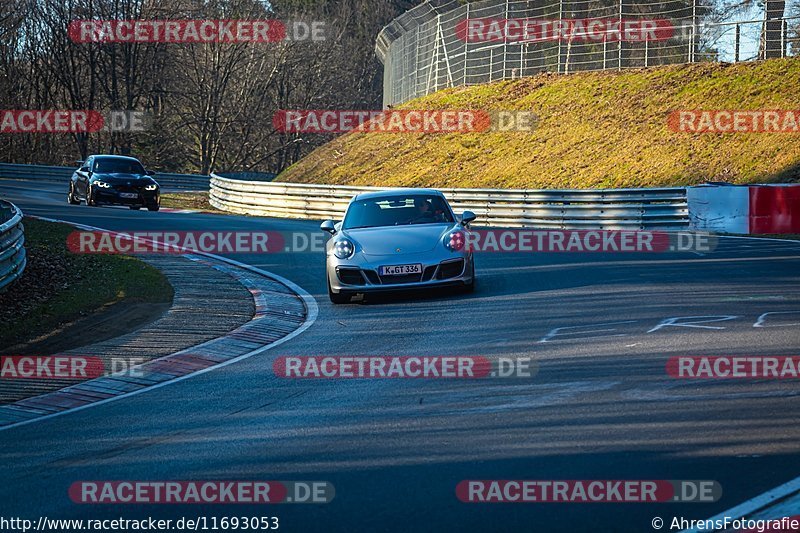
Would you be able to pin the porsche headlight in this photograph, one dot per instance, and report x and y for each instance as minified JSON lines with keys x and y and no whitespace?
{"x":103,"y":184}
{"x":343,"y":248}
{"x":152,"y":187}
{"x":454,"y":241}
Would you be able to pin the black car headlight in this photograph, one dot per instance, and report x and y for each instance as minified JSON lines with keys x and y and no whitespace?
{"x":152,"y":187}
{"x":103,"y":184}
{"x":454,"y":241}
{"x":343,"y":248}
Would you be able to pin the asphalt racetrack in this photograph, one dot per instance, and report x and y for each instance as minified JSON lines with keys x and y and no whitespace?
{"x":601,"y":406}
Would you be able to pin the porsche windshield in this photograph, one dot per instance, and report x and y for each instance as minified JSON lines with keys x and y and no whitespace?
{"x":397,"y":211}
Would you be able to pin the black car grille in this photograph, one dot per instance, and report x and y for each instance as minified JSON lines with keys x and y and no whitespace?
{"x":428,"y":274}
{"x":407,"y":278}
{"x":372,"y":276}
{"x":450,"y":269}
{"x":350,"y":276}
{"x":128,"y":188}
{"x":355,"y":276}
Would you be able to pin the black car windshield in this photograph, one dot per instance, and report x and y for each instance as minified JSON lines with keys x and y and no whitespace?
{"x":396,"y":211}
{"x":117,"y":166}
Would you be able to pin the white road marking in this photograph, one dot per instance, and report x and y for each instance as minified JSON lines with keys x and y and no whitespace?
{"x":673,"y":322}
{"x":312,"y":311}
{"x":555,"y":331}
{"x":751,"y":506}
{"x":760,"y":322}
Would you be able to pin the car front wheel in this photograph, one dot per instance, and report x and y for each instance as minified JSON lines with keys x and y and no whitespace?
{"x":71,"y":198}
{"x":90,"y":201}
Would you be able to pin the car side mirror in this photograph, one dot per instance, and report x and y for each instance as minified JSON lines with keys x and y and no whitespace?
{"x":84,"y":169}
{"x":328,"y":226}
{"x":150,"y":172}
{"x":467,"y":217}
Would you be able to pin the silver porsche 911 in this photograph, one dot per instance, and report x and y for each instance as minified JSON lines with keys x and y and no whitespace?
{"x":398,"y":240}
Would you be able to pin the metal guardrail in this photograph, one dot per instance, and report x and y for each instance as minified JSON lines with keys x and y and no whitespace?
{"x":569,"y":209}
{"x":12,"y":244}
{"x":181,"y":182}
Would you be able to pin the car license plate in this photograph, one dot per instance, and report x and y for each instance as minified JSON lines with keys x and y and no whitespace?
{"x":399,"y":270}
{"x":128,"y":195}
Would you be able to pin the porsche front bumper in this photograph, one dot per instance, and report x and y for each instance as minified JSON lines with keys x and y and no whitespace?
{"x":361,"y":273}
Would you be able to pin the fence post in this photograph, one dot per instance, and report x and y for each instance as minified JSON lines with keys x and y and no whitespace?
{"x":693,"y":41}
{"x":784,"y":31}
{"x":505,"y":42}
{"x":417,"y":62}
{"x":450,"y":81}
{"x":436,"y":60}
{"x":560,"y":20}
{"x":738,"y":41}
{"x":619,"y":38}
{"x":466,"y":46}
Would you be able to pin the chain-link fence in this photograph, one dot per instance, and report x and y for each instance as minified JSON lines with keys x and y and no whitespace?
{"x":447,"y":43}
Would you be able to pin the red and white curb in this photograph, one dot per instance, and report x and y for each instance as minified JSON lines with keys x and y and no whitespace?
{"x":282,"y":311}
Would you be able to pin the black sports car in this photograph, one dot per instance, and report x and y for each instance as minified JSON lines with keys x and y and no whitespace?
{"x":116,"y":180}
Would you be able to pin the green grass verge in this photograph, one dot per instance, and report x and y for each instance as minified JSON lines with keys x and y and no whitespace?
{"x":595,"y":130}
{"x":59,"y":287}
{"x":188,"y":200}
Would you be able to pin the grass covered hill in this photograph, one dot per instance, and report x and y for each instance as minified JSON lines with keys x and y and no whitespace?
{"x":595,"y":130}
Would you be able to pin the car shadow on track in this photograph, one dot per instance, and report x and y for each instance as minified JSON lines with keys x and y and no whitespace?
{"x":439,"y":293}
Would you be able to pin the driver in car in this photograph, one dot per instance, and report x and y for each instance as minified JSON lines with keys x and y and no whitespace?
{"x":425,"y":212}
{"x":424,"y":209}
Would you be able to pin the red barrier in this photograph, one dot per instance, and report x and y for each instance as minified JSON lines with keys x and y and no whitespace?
{"x":775,"y":209}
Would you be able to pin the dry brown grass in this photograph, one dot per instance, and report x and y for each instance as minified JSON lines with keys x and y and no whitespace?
{"x":596,"y":130}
